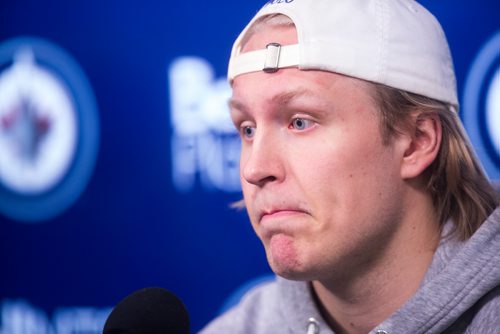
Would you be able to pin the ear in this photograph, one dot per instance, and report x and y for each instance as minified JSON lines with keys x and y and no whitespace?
{"x":424,"y":145}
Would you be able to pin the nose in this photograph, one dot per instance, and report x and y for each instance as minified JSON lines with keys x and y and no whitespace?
{"x":261,"y":161}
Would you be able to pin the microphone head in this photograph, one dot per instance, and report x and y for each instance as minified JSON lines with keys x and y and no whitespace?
{"x":148,"y":311}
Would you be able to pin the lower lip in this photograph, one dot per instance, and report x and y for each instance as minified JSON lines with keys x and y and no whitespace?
{"x":284,"y":222}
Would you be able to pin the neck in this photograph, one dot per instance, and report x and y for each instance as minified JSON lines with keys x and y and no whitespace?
{"x":366,"y":296}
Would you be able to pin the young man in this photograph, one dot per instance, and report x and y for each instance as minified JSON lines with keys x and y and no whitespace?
{"x":357,"y":176}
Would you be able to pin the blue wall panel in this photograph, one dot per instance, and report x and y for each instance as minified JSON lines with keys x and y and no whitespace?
{"x":155,"y":210}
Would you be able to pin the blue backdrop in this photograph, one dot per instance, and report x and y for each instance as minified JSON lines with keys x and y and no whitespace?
{"x":141,"y":197}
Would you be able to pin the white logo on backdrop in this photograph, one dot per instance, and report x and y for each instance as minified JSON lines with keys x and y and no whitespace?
{"x":49,"y":129}
{"x":37,"y":126}
{"x":205,"y":146}
{"x":19,"y":317}
{"x":481,"y":105}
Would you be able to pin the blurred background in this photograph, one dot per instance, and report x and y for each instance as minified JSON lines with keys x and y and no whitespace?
{"x":118,"y":162}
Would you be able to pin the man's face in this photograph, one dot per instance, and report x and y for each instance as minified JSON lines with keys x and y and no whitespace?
{"x":321,"y":190}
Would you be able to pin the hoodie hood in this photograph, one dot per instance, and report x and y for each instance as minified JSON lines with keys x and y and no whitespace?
{"x":461,"y":273}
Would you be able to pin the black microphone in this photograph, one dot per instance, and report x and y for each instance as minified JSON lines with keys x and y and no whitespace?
{"x":148,"y":311}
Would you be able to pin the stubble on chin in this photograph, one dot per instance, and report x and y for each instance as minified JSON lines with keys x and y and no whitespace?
{"x":283,"y":256}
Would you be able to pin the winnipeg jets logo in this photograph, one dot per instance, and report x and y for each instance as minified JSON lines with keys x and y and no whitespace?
{"x":37,"y":126}
{"x":48,"y":130}
{"x":26,"y":128}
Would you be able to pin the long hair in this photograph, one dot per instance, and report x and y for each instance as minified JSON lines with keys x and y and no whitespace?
{"x":456,"y":181}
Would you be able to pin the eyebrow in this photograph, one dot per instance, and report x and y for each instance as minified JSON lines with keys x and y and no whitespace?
{"x":281,"y":99}
{"x":235,"y":104}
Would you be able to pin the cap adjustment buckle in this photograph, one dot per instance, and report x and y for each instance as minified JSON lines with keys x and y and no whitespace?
{"x":272,"y":57}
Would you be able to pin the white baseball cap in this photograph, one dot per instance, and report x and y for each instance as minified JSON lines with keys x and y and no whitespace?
{"x":397,"y":43}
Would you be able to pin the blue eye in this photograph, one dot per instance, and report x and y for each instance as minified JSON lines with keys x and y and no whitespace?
{"x":300,"y":124}
{"x":248,"y":131}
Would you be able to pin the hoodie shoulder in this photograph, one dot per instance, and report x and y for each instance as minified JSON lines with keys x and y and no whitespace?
{"x":247,"y":317}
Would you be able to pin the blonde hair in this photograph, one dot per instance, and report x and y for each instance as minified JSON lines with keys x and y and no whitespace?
{"x":455,"y":180}
{"x":271,"y":20}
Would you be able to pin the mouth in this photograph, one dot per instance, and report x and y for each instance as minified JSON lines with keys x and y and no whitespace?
{"x":281,"y":213}
{"x":284,"y":221}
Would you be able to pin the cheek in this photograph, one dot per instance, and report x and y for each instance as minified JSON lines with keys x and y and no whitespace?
{"x":347,"y":176}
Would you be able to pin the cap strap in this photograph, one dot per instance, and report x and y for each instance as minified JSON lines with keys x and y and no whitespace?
{"x":274,"y":57}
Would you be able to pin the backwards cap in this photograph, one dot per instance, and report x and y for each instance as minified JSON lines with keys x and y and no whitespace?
{"x":397,"y":43}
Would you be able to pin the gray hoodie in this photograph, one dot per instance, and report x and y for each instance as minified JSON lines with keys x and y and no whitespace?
{"x":460,"y":293}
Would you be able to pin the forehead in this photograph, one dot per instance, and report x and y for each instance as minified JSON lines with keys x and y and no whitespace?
{"x":286,"y":86}
{"x":293,"y":84}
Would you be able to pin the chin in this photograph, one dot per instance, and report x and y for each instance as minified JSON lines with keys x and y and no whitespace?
{"x":294,"y":277}
{"x":293,"y":273}
{"x":286,"y":260}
